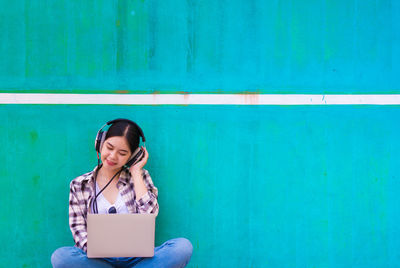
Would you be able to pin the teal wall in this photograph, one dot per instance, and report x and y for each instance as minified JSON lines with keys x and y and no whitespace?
{"x":250,"y":186}
{"x":331,"y":46}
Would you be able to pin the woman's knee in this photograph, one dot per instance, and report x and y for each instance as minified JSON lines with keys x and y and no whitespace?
{"x":184,"y":247}
{"x":61,"y":257}
{"x":58,"y":256}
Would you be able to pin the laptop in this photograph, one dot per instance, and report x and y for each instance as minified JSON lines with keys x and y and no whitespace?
{"x":120,"y":235}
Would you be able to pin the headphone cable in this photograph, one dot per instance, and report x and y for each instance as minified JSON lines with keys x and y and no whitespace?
{"x":95,"y":209}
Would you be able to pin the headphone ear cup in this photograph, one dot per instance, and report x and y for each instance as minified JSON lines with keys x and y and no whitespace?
{"x":100,"y":140}
{"x":134,"y":158}
{"x":97,"y":141}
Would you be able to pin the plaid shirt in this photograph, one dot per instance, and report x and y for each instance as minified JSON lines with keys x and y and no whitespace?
{"x":82,"y":193}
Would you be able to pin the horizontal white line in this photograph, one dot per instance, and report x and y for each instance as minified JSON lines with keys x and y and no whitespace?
{"x":200,"y":99}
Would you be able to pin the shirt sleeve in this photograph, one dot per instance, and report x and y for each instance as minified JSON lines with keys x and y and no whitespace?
{"x":77,"y":222}
{"x":148,"y":202}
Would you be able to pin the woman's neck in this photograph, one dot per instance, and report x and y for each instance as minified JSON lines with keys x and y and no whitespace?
{"x":104,"y":175}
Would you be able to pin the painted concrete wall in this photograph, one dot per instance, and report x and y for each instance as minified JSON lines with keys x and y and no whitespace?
{"x":250,"y":186}
{"x":200,"y":46}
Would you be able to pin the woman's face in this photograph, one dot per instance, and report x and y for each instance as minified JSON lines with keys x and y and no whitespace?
{"x":115,"y":153}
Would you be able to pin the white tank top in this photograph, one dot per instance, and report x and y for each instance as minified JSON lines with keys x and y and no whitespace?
{"x":103,"y":205}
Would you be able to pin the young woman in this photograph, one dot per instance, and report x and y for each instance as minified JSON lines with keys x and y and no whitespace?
{"x":131,"y":191}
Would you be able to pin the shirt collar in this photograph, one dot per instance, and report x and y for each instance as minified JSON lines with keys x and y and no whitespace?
{"x":125,"y":176}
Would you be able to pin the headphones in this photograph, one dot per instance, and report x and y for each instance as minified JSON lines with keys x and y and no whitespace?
{"x":101,"y":136}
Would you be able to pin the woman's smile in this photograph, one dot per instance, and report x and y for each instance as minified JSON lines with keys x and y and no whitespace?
{"x":110,"y":163}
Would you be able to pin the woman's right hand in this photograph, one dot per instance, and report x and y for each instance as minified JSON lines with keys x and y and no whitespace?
{"x":138,"y":166}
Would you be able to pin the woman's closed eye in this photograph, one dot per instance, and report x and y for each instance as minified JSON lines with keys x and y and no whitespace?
{"x":121,"y":153}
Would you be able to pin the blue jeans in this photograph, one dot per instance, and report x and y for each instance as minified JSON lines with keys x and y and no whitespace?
{"x":173,"y":253}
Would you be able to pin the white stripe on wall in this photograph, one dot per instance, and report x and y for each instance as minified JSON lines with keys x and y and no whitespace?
{"x":201,"y":99}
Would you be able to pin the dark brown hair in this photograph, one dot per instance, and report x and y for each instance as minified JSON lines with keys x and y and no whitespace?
{"x":127,"y":130}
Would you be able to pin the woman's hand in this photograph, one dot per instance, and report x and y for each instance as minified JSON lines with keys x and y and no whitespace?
{"x":137,"y":167}
{"x":137,"y":177}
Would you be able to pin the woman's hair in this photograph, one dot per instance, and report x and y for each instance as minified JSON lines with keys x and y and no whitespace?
{"x":127,"y":130}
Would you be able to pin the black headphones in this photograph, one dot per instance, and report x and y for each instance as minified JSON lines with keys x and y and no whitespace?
{"x":101,"y":136}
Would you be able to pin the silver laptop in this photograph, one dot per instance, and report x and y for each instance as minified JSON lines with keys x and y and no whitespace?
{"x":120,"y":235}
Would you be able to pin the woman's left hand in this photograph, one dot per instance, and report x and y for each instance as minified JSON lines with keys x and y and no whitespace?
{"x":141,"y":163}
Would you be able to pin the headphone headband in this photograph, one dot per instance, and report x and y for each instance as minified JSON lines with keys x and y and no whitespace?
{"x":101,"y":135}
{"x":131,"y":122}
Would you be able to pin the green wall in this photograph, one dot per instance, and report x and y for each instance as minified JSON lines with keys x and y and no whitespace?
{"x":250,"y":186}
{"x":331,"y":46}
